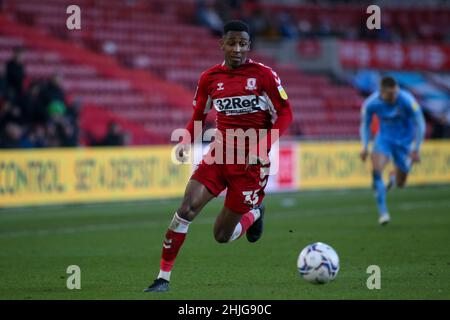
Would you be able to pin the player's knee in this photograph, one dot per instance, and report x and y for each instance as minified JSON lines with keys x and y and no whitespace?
{"x":220,"y":237}
{"x":186,"y":212}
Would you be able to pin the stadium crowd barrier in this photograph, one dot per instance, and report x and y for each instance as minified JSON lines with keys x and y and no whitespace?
{"x":58,"y":176}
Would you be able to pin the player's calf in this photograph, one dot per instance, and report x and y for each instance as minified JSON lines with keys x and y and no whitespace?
{"x":401,"y":184}
{"x":401,"y":181}
{"x":392,"y":180}
{"x":380,"y":192}
{"x":400,"y":178}
{"x":231,"y":226}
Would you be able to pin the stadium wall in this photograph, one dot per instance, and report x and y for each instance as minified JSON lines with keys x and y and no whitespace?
{"x":57,"y":176}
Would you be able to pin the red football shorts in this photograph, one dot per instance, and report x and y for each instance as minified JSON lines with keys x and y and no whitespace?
{"x":245,"y":186}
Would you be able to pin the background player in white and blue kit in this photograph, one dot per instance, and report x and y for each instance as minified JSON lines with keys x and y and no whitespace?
{"x":401,"y":133}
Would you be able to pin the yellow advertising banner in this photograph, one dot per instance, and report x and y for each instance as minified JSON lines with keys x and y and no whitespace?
{"x":49,"y":176}
{"x":31,"y":177}
{"x":337,"y":165}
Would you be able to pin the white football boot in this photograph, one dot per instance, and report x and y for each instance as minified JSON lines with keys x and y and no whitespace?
{"x":384,"y":219}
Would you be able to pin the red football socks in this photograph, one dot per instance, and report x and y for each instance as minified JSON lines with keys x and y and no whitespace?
{"x":173,"y":241}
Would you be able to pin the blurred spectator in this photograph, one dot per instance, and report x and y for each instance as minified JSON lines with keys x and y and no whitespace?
{"x":35,"y":138}
{"x":441,"y":126}
{"x":51,"y":135}
{"x":29,"y":102}
{"x":207,"y":16}
{"x":72,"y":116}
{"x":213,"y":13}
{"x":115,"y":136}
{"x":305,"y":27}
{"x":14,"y":75}
{"x":288,"y":29}
{"x":36,"y":116}
{"x":52,"y":95}
{"x":10,"y":114}
{"x":12,"y":136}
{"x":223,"y":10}
{"x":259,"y":21}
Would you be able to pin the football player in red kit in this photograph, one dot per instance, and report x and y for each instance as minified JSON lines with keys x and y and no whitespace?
{"x":247,"y":96}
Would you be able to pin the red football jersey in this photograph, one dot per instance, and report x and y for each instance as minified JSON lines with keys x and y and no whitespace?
{"x":250,"y":96}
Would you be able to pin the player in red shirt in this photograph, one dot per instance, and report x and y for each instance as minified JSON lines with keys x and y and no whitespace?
{"x":247,"y":95}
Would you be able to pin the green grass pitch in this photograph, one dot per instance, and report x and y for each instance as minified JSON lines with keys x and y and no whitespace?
{"x":117,"y":247}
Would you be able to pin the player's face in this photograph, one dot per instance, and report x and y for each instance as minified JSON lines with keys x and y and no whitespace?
{"x":389,"y":94}
{"x":235,"y":45}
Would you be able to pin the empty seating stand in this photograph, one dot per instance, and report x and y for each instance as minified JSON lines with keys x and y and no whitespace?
{"x":156,"y":37}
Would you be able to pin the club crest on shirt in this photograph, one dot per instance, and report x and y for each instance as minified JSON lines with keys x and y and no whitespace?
{"x":251,"y":84}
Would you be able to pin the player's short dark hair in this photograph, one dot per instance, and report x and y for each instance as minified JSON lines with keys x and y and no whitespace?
{"x":235,"y":25}
{"x":388,"y":82}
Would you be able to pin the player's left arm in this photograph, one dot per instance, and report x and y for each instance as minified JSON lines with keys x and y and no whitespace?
{"x":420,"y":126}
{"x":279,"y":98}
{"x":280,"y":102}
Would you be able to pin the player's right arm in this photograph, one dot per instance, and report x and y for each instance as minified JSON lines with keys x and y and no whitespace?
{"x":201,"y":105}
{"x":364,"y":129}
